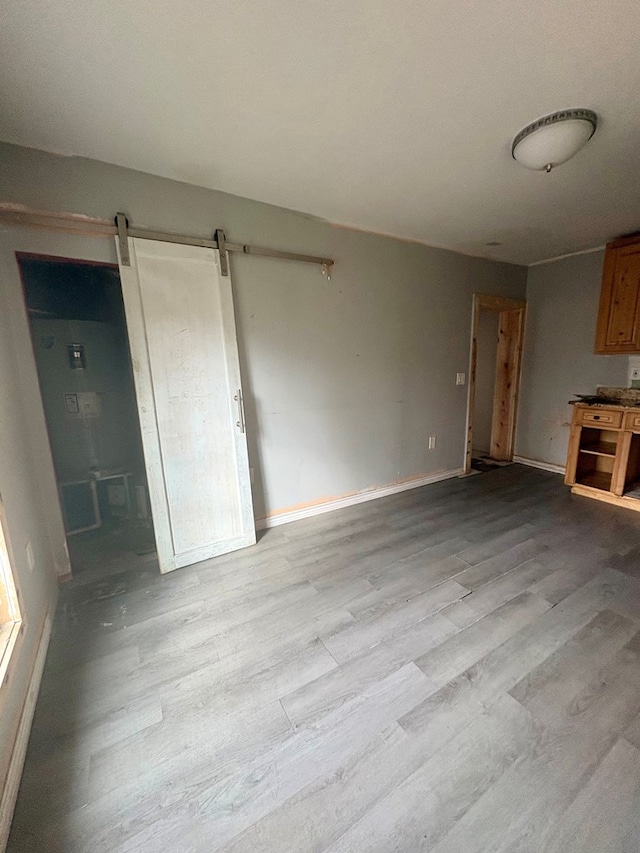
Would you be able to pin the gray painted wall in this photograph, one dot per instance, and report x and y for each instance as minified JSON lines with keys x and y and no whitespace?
{"x":558,"y":356}
{"x":344,"y":380}
{"x":487,"y":351}
{"x":30,"y":518}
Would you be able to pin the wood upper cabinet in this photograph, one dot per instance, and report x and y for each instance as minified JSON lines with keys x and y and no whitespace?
{"x":618,"y":328}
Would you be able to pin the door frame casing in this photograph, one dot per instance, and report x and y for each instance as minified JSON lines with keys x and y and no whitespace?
{"x":64,"y":573}
{"x":512,"y":314}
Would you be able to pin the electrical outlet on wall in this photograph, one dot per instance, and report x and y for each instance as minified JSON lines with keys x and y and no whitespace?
{"x":432,"y":442}
{"x":633,"y":374}
{"x":460,"y":378}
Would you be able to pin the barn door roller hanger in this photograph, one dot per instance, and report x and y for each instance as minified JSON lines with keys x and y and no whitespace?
{"x":124,"y":230}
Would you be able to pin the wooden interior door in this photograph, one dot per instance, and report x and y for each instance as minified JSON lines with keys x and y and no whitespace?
{"x":508,"y":363}
{"x":182,"y":336}
{"x":506,"y":387}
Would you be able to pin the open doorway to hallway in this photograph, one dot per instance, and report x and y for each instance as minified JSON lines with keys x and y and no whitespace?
{"x":79,"y":338}
{"x":497,"y":334}
{"x":486,"y":359}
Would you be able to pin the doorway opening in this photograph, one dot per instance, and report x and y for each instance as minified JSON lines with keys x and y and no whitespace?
{"x":79,"y":338}
{"x":497,"y":334}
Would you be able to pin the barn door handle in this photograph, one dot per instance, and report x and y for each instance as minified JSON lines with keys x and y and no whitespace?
{"x":238,"y":398}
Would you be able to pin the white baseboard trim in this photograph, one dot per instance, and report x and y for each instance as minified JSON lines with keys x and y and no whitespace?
{"x":12,"y":783}
{"x":536,"y":463}
{"x":351,"y":500}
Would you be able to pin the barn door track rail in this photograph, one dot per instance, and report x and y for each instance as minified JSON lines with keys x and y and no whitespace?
{"x":13,"y":214}
{"x":219,"y":242}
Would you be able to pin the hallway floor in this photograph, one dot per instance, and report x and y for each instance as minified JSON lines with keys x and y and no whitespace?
{"x":454,"y":668}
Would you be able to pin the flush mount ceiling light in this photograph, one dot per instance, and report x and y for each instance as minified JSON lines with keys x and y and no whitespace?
{"x":553,"y":139}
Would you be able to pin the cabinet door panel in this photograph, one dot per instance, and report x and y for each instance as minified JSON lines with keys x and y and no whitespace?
{"x":619,"y":314}
{"x":622,"y":328}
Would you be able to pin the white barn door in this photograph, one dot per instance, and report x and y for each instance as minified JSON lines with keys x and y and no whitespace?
{"x":182,"y":336}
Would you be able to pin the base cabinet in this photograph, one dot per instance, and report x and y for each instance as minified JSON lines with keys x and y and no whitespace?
{"x":604,"y":454}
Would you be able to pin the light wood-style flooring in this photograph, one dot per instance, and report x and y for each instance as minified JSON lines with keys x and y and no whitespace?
{"x":453,"y":669}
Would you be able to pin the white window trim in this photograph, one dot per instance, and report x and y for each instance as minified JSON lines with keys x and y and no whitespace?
{"x":11,"y":624}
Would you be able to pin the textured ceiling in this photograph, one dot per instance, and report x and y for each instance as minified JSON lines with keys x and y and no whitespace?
{"x":391,"y":116}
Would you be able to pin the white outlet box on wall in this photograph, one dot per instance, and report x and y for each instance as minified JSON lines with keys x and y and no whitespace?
{"x":633,"y":375}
